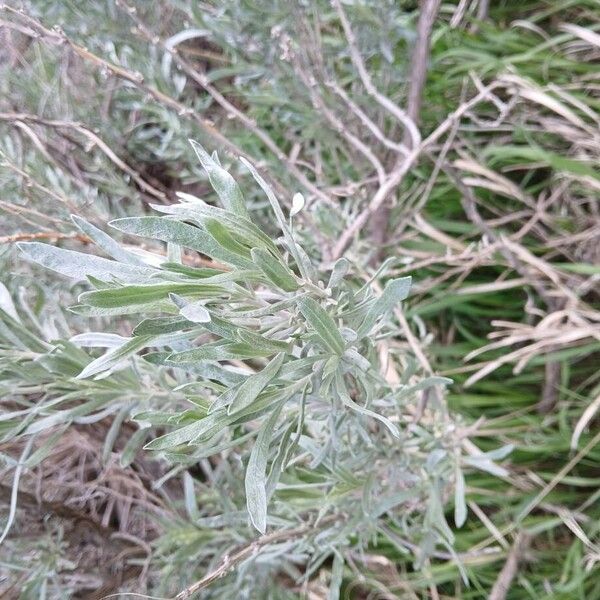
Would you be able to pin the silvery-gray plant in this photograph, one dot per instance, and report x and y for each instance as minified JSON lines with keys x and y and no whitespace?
{"x":275,"y":375}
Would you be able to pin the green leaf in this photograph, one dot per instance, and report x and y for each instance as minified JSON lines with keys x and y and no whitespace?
{"x":168,"y":230}
{"x":267,"y":399}
{"x":296,"y":369}
{"x":280,"y":461}
{"x":483,"y":463}
{"x":387,"y":503}
{"x":308,"y":271}
{"x":222,"y":328}
{"x":7,"y":305}
{"x":256,"y":474}
{"x":323,"y":325}
{"x":460,"y":506}
{"x":294,"y":248}
{"x":223,"y":183}
{"x":225,"y":239}
{"x":298,"y":203}
{"x":536,"y":154}
{"x":582,"y":268}
{"x":195,"y":312}
{"x":115,"y":357}
{"x":46,"y":447}
{"x":395,"y":291}
{"x":347,"y":401}
{"x":113,"y":433}
{"x":260,"y":342}
{"x":192,"y":208}
{"x":191,"y":505}
{"x":255,"y":384}
{"x":104,"y":241}
{"x":128,"y":295}
{"x":435,"y":513}
{"x":133,"y":446}
{"x":188,"y":433}
{"x":218,"y":351}
{"x":202,"y":273}
{"x":161,"y":325}
{"x":337,"y":573}
{"x":78,"y":265}
{"x":275,"y":271}
{"x":97,"y":339}
{"x":156,"y":306}
{"x":339,"y":271}
{"x":17,"y":333}
{"x":217,"y":277}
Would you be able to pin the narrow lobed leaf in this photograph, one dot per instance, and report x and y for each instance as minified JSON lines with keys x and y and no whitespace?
{"x":395,"y":291}
{"x":78,"y":265}
{"x":322,"y":324}
{"x":274,"y":270}
{"x":223,"y":183}
{"x":256,"y":474}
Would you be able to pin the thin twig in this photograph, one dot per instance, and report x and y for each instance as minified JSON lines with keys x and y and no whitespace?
{"x":550,"y":388}
{"x":483,"y":9}
{"x":373,"y":128}
{"x":6,"y":162}
{"x":469,"y":203}
{"x":380,"y":98}
{"x":510,"y":568}
{"x":402,"y":167}
{"x":420,"y":58}
{"x":340,"y":127}
{"x":16,"y":118}
{"x":230,"y":561}
{"x":19,"y":209}
{"x":380,"y":222}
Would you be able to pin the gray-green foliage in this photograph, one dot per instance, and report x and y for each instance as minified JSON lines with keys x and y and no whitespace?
{"x":258,"y":363}
{"x":529,"y":39}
